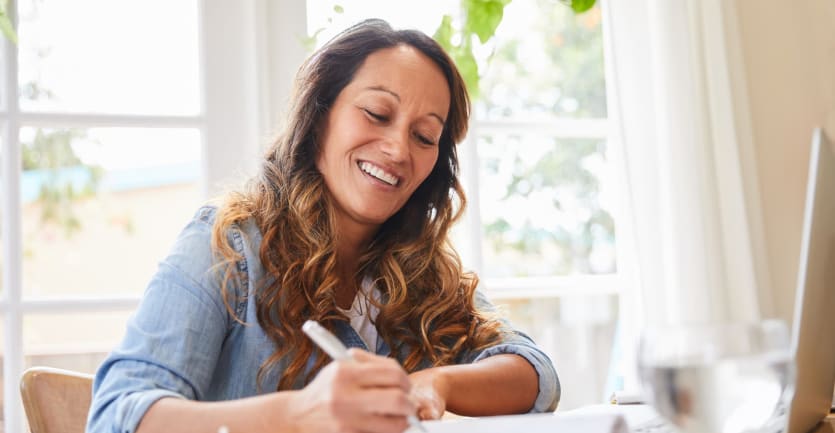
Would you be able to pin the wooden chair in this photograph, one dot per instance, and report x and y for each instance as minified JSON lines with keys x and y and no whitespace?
{"x":55,"y":400}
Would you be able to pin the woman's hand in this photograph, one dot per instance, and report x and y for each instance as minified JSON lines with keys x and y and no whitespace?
{"x":429,"y":392}
{"x":369,"y":395}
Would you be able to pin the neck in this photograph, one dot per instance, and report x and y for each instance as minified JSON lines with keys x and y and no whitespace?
{"x":348,"y":251}
{"x":351,"y":240}
{"x":348,"y":283}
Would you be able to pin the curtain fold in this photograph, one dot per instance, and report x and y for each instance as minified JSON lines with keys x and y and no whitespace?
{"x":679,"y":127}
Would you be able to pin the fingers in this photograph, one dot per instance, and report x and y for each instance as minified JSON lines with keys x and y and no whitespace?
{"x":428,"y":413}
{"x":373,"y":381}
{"x":425,"y":393}
{"x":371,"y":394}
{"x":378,"y":371}
{"x":374,"y":409}
{"x":363,"y":355}
{"x":428,"y":406}
{"x":386,"y":401}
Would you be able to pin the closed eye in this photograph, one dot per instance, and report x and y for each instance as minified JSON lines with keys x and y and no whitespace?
{"x":375,"y":116}
{"x":423,"y":139}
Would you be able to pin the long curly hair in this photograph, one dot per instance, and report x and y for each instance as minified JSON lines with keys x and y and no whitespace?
{"x":427,"y":309}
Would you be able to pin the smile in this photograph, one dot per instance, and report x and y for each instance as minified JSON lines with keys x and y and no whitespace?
{"x":378,"y":173}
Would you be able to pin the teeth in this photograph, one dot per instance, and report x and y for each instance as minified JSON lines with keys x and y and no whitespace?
{"x":378,"y":173}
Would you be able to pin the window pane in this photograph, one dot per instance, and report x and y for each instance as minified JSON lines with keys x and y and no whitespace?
{"x":545,"y":61}
{"x":578,"y":334}
{"x":73,"y":341}
{"x":101,"y":206}
{"x":544,"y":207}
{"x":129,"y":57}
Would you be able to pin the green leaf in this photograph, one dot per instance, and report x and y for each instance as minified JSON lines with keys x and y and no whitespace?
{"x":338,"y":9}
{"x":581,"y":6}
{"x":443,"y":35}
{"x":467,"y":66}
{"x":7,"y":28}
{"x":309,"y":42}
{"x":483,"y":17}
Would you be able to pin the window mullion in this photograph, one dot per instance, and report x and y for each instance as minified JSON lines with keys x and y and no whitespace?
{"x":553,"y":286}
{"x":556,"y":127}
{"x":473,"y":254}
{"x":79,"y":304}
{"x":79,"y":120}
{"x":229,"y":62}
{"x":12,"y":271}
{"x":11,"y":239}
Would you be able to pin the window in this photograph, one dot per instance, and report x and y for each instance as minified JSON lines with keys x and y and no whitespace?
{"x":102,"y":146}
{"x":539,"y":227}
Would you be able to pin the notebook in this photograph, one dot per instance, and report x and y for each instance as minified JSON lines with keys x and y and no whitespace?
{"x":561,"y":422}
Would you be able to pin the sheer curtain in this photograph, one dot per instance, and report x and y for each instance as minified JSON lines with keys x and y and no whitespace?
{"x":693,"y":244}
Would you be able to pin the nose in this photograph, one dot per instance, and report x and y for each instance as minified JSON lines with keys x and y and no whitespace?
{"x":396,"y":144}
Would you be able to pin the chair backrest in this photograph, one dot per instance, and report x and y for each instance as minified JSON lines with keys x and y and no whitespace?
{"x":55,"y":400}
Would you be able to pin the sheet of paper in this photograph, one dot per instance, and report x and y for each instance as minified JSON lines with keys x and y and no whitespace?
{"x":560,"y":422}
{"x":635,"y":415}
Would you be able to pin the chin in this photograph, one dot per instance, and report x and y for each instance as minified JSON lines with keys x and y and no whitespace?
{"x":378,"y":220}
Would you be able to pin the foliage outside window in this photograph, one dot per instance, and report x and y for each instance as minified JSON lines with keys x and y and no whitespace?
{"x":544,"y":205}
{"x":64,"y":179}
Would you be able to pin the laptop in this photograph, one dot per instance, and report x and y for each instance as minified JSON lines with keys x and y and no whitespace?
{"x":813,"y":333}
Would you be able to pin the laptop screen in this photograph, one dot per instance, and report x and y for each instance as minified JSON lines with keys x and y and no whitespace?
{"x":813,"y":338}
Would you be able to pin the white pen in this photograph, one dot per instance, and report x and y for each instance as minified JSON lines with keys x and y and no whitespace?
{"x":336,"y":350}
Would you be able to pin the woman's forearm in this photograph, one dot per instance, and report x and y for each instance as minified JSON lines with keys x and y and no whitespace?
{"x":498,"y":385}
{"x":371,"y":394}
{"x":266,"y":413}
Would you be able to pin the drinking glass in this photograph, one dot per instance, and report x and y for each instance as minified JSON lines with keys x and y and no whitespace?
{"x":717,"y":378}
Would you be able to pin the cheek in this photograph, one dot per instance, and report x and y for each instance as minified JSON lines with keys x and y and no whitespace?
{"x":427,"y":163}
{"x":322,"y":160}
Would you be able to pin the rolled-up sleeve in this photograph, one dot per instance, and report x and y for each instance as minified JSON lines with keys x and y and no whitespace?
{"x":517,"y":343}
{"x":172,"y":342}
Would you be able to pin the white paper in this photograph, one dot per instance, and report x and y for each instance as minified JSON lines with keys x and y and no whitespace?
{"x":636,"y":416}
{"x":561,"y":422}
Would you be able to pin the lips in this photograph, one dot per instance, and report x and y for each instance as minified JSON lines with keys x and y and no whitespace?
{"x":378,"y":173}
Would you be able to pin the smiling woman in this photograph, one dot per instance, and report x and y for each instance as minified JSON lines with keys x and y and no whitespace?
{"x":380,"y":139}
{"x":347,"y":224}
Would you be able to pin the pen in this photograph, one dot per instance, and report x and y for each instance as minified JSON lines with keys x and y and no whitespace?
{"x":336,"y":350}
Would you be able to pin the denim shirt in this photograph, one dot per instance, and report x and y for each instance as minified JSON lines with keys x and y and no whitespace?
{"x":183,"y":343}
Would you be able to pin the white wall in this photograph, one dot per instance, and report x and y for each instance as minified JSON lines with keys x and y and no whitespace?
{"x":788,"y":49}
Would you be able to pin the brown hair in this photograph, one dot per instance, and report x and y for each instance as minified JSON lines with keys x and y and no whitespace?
{"x":428,"y":307}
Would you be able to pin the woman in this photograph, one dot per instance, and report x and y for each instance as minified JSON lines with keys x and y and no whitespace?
{"x":346,"y":224}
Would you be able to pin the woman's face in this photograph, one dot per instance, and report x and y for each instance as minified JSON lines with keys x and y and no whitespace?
{"x":380,"y":139}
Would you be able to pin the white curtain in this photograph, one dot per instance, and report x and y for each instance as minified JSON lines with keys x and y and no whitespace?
{"x":691,"y":233}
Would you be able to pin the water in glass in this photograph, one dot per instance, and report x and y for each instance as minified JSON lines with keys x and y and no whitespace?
{"x":729,"y":378}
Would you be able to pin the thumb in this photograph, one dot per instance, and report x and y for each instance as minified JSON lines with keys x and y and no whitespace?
{"x":360,"y":355}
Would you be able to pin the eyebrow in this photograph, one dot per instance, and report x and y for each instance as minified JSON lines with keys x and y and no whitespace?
{"x":396,"y":96}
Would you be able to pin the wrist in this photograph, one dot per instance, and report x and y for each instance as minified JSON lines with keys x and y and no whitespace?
{"x":283,"y":411}
{"x":441,"y":381}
